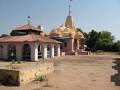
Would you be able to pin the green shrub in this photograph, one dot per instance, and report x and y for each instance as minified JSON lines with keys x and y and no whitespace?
{"x":40,"y":78}
{"x":18,"y":61}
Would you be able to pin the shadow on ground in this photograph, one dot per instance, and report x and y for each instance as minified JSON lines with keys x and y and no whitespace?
{"x":118,"y":53}
{"x":116,"y":77}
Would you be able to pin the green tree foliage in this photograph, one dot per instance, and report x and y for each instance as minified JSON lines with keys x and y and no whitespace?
{"x":106,"y":40}
{"x":80,"y":30}
{"x":99,"y":40}
{"x":116,"y":46}
{"x":92,"y":40}
{"x":84,"y":33}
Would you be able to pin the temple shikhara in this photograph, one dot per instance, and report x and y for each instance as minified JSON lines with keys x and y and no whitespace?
{"x":72,"y":40}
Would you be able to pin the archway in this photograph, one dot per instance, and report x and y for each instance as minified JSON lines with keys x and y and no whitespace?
{"x":11,"y":51}
{"x":48,"y":51}
{"x":26,"y":52}
{"x":39,"y":51}
{"x":55,"y":50}
{"x":1,"y":51}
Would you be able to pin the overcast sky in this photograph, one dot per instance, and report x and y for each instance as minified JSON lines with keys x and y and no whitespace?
{"x":87,"y":14}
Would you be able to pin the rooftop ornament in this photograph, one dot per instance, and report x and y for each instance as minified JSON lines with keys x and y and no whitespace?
{"x":70,"y":2}
{"x":28,"y":20}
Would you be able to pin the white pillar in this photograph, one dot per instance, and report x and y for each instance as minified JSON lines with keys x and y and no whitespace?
{"x":58,"y":50}
{"x":72,"y":44}
{"x":44,"y":51}
{"x":34,"y":52}
{"x":19,"y":51}
{"x":52,"y":51}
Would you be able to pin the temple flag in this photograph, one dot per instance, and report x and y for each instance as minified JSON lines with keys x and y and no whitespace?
{"x":28,"y":16}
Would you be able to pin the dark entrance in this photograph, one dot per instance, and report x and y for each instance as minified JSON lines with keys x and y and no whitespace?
{"x":26,"y":52}
{"x":11,"y":51}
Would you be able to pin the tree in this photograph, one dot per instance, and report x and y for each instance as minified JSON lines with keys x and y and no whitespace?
{"x":100,"y":41}
{"x":106,"y":39}
{"x":92,"y":41}
{"x":106,"y":35}
{"x":80,"y":30}
{"x":84,"y":33}
{"x":116,"y":46}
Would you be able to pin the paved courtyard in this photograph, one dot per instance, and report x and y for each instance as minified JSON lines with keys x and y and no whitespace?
{"x":91,"y":72}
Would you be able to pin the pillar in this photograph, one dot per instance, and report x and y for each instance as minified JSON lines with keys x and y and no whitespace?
{"x":52,"y":51}
{"x":34,"y":52}
{"x":78,"y":45}
{"x":19,"y":51}
{"x":58,"y":50}
{"x":72,"y":45}
{"x":5,"y":51}
{"x":44,"y":51}
{"x":82,"y":44}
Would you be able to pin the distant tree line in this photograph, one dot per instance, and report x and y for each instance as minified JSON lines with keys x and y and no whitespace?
{"x":103,"y":40}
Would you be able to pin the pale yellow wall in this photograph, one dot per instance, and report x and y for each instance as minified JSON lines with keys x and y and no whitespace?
{"x":28,"y":74}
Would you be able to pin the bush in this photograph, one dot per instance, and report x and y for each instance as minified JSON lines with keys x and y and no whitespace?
{"x":40,"y":78}
{"x":18,"y":61}
{"x":116,"y":46}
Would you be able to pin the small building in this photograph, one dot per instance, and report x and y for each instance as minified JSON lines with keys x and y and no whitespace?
{"x":28,"y":43}
{"x":73,"y":41}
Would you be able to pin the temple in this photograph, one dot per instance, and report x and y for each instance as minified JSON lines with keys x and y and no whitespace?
{"x":28,"y":43}
{"x":73,"y":40}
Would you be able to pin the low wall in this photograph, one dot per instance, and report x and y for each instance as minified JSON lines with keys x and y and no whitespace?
{"x":71,"y":53}
{"x":22,"y":76}
{"x":84,"y":53}
{"x":28,"y":75}
{"x":9,"y":77}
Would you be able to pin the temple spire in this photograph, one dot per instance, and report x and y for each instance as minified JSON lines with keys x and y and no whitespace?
{"x":70,"y":1}
{"x":69,"y":21}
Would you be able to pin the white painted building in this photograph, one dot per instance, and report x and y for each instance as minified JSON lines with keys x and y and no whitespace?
{"x":27,"y":43}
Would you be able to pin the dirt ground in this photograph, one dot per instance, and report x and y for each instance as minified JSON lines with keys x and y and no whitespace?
{"x":92,"y":72}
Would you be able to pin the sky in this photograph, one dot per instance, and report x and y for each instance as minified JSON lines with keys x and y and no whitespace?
{"x":87,"y":14}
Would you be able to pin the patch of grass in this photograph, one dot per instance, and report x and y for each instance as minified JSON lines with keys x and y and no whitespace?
{"x":18,"y":61}
{"x":40,"y":78}
{"x":37,"y":89}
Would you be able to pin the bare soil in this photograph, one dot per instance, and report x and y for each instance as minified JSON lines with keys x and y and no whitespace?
{"x":92,"y":72}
